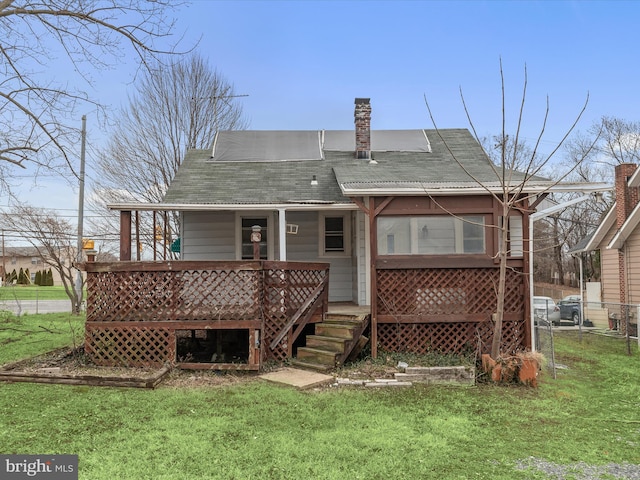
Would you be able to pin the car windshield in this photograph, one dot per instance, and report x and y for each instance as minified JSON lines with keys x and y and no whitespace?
{"x":571,"y":299}
{"x":543,"y":302}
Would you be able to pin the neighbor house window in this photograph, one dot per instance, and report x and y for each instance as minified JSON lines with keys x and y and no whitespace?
{"x":431,"y":235}
{"x":334,"y":235}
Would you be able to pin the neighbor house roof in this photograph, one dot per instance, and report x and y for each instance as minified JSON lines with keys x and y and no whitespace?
{"x":277,"y":167}
{"x":594,"y":240}
{"x":25,"y":251}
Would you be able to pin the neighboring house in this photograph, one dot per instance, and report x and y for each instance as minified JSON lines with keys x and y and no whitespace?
{"x":618,"y":240}
{"x":27,"y":258}
{"x":407,"y":230}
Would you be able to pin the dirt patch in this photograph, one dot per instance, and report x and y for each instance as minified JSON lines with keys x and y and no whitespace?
{"x":71,"y":361}
{"x":198,"y":378}
{"x":67,"y":364}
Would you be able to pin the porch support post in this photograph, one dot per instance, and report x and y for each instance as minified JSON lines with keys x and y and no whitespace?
{"x":527,"y":254}
{"x":373,"y":273}
{"x":125,"y":235}
{"x":282,"y":234}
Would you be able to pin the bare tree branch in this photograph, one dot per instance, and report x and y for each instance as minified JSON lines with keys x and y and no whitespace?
{"x":174,"y":108}
{"x":513,"y":181}
{"x":39,"y":115}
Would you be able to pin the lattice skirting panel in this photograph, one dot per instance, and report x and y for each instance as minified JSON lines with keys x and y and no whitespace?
{"x":446,"y":291}
{"x":455,"y":338}
{"x":130,"y":346}
{"x":113,"y":346}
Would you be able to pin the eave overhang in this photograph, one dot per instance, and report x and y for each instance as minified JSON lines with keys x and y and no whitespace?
{"x":627,"y":228}
{"x":417,"y":188}
{"x":210,"y":207}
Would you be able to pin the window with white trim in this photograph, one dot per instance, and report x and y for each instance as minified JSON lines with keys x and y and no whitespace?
{"x":334,"y":235}
{"x":431,"y":235}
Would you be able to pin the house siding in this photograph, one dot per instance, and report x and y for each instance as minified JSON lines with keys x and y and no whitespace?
{"x":304,"y":246}
{"x":212,"y":236}
{"x":208,"y":236}
{"x":610,"y":271}
{"x":632,"y":267}
{"x":361,"y":258}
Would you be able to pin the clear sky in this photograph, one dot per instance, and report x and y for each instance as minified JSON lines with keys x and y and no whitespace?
{"x":302,"y":63}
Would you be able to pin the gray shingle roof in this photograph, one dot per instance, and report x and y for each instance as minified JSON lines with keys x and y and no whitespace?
{"x":202,"y":181}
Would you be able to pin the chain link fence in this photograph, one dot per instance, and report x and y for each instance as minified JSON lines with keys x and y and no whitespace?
{"x":616,"y":320}
{"x":32,"y":300}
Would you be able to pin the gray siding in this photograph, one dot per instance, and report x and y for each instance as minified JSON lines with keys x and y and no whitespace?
{"x":212,"y":236}
{"x":208,"y":236}
{"x":361,"y":257}
{"x":305,"y":247}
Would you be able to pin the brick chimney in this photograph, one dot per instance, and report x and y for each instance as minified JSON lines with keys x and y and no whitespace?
{"x":362,"y":119}
{"x":626,"y":198}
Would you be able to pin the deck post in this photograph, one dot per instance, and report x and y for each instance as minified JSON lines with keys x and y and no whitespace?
{"x":125,"y":235}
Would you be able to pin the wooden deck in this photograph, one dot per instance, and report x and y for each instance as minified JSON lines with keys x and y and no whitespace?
{"x":196,"y":313}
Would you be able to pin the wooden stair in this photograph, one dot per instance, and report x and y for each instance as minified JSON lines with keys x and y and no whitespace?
{"x":337,"y":339}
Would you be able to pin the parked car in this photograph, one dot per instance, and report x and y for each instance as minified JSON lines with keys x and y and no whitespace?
{"x":545,"y":311}
{"x":570,"y":308}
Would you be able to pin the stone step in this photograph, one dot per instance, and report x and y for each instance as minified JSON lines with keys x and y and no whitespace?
{"x":338,"y":330}
{"x":316,"y":355}
{"x":459,"y":375}
{"x":332,"y":344}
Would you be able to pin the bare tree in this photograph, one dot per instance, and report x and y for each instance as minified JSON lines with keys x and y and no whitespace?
{"x":51,"y":236}
{"x":589,"y":157}
{"x":38,"y":114}
{"x":521,"y":155}
{"x":618,"y":142}
{"x":516,"y":167}
{"x":174,"y":108}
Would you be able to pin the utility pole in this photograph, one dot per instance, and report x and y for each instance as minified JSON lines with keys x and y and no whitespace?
{"x":79,"y":256}
{"x":4,"y":265}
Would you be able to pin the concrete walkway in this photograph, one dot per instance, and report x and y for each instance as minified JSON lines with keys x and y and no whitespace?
{"x":300,"y":379}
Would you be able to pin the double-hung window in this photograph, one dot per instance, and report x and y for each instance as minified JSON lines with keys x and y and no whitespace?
{"x":334,"y":235}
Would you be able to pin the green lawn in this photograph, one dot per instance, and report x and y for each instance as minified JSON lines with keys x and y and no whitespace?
{"x":255,"y":430}
{"x":32,"y":292}
{"x":29,"y":335}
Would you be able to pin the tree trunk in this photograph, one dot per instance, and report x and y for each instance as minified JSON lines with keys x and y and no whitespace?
{"x":502,"y":280}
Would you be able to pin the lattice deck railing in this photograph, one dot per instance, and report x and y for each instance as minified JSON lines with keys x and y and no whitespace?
{"x":134,"y":308}
{"x":447,"y":309}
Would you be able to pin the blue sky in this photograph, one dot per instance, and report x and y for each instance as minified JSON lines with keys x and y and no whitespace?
{"x":302,"y":63}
